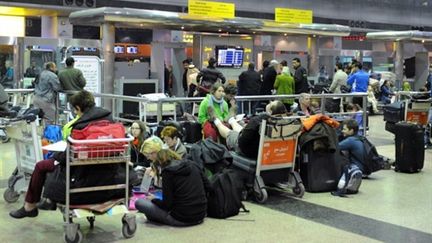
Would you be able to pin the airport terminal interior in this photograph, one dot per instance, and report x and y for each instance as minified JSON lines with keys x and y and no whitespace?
{"x":147,"y":60}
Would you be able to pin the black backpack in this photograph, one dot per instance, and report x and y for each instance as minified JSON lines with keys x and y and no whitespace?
{"x":372,"y":161}
{"x":225,"y":198}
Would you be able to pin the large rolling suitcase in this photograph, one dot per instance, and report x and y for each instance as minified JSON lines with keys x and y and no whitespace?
{"x":409,"y":147}
{"x":394,"y":112}
{"x":320,"y":171}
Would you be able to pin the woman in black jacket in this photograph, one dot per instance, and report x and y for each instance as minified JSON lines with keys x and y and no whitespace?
{"x":139,"y":131}
{"x":84,"y":106}
{"x":184,"y":186}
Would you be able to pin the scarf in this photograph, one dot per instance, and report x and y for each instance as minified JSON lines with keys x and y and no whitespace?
{"x":220,"y":102}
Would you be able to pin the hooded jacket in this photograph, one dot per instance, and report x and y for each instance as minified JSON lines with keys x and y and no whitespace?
{"x":184,"y":191}
{"x":207,"y":153}
{"x":89,"y":175}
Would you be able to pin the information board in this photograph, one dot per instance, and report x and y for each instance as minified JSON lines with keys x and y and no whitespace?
{"x":211,"y":9}
{"x":295,"y":16}
{"x":91,"y":68}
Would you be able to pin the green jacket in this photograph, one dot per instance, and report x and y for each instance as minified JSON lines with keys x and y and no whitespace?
{"x":72,"y":79}
{"x":284,"y":85}
{"x":203,"y":114}
{"x":67,"y":128}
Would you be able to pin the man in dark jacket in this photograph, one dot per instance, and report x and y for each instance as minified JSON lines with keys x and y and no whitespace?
{"x":71,"y":78}
{"x":208,"y":76}
{"x":249,"y":83}
{"x":300,"y":77}
{"x":186,"y":64}
{"x":269,"y":78}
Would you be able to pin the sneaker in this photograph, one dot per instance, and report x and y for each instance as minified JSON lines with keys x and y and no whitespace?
{"x":22,"y":213}
{"x":47,"y":204}
{"x":282,"y":185}
{"x":211,"y":114}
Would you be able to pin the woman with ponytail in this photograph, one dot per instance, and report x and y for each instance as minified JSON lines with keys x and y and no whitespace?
{"x":184,"y":186}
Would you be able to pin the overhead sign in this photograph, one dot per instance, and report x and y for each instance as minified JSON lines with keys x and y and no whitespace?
{"x":211,"y":9}
{"x":295,"y":16}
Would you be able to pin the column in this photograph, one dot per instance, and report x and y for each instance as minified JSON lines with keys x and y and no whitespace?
{"x":108,"y":38}
{"x":398,"y":63}
{"x":313,"y":65}
{"x":49,"y":26}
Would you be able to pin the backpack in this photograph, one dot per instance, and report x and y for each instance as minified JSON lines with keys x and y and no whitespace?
{"x":372,"y":161}
{"x":350,"y":181}
{"x":225,"y":198}
{"x":51,"y":134}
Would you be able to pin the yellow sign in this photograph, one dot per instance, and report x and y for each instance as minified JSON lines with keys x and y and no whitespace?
{"x":290,"y":15}
{"x":212,"y":9}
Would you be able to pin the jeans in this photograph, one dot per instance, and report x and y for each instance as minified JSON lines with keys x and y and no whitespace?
{"x":156,"y":214}
{"x":37,"y":180}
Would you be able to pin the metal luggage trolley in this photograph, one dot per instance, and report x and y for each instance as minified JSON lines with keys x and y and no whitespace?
{"x":96,"y":152}
{"x":26,"y":137}
{"x":276,"y":158}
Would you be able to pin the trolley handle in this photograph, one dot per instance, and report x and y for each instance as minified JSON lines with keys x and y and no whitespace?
{"x":129,"y":138}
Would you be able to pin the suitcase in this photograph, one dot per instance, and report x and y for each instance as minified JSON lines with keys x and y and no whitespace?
{"x":409,"y":147}
{"x":192,"y":131}
{"x":390,"y":127}
{"x":320,"y":171}
{"x":394,"y":112}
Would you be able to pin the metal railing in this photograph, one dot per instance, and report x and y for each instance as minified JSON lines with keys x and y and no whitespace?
{"x":20,"y":97}
{"x":141,"y":101}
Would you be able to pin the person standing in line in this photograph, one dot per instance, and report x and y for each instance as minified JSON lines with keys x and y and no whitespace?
{"x":71,"y":78}
{"x":269,"y":78}
{"x":339,"y":79}
{"x":284,"y":85}
{"x":359,"y":81}
{"x":33,"y":71}
{"x":249,"y":83}
{"x":45,"y":93}
{"x":208,"y":77}
{"x":186,"y":64}
{"x":300,"y":77}
{"x":265,"y":65}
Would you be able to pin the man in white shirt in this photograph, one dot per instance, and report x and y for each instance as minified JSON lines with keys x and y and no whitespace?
{"x":339,"y":79}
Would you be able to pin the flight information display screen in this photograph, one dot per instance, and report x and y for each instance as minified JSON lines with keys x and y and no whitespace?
{"x":229,"y":57}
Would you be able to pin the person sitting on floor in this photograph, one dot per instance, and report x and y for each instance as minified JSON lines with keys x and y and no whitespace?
{"x":172,"y":138}
{"x":304,"y":108}
{"x":351,"y":144}
{"x":184,"y":201}
{"x":214,"y":103}
{"x":245,"y":140}
{"x":138,"y":130}
{"x":84,"y":106}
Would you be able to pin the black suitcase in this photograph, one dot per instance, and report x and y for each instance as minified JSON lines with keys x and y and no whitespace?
{"x":390,"y":127}
{"x":394,"y":112}
{"x":192,"y":131}
{"x":409,"y":147}
{"x":320,"y":171}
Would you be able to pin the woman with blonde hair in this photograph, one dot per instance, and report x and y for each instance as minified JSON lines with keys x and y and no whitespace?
{"x":184,"y":186}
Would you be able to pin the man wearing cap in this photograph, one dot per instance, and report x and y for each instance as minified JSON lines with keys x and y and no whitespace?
{"x":71,"y":78}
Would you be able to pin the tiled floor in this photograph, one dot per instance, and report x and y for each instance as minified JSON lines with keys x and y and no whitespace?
{"x":390,"y":207}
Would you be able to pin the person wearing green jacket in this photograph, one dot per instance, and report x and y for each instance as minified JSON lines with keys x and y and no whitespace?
{"x":284,"y":85}
{"x":211,"y":107}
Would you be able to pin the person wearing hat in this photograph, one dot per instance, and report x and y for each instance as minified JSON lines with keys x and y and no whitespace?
{"x":71,"y":78}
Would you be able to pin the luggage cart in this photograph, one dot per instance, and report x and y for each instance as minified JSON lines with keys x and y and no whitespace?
{"x":26,"y":137}
{"x":276,"y":159}
{"x":96,"y":152}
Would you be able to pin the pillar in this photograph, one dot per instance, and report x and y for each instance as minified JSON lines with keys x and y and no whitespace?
{"x":398,"y":63}
{"x":313,"y":65}
{"x":49,"y":27}
{"x":108,"y":38}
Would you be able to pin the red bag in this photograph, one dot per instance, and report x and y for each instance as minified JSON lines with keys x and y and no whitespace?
{"x":99,"y":130}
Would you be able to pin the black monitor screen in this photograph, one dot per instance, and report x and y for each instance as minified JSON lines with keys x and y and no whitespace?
{"x":229,"y":56}
{"x":133,"y":89}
